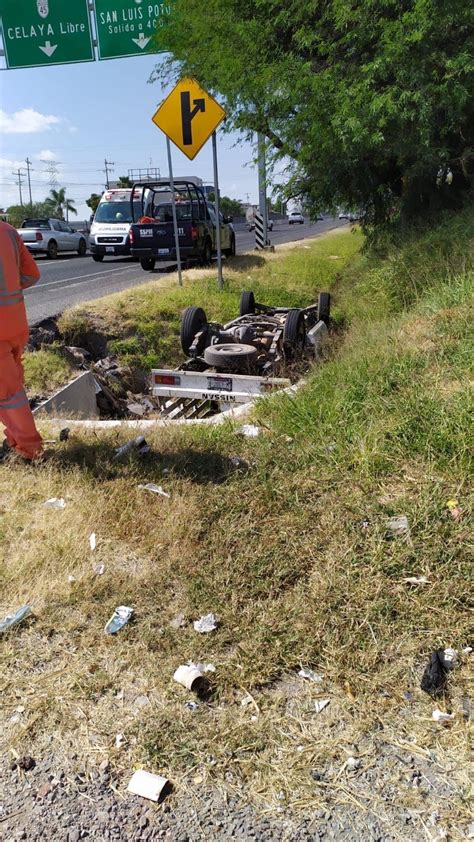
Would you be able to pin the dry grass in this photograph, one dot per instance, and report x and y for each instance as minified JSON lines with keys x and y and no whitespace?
{"x":279,"y":553}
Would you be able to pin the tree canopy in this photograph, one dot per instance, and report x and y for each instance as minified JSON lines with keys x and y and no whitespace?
{"x":369,"y":100}
{"x":228,"y":206}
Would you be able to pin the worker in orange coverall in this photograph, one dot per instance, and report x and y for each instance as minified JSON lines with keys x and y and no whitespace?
{"x":18,"y":271}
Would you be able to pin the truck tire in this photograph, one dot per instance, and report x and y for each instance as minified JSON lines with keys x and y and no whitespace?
{"x":52,"y":250}
{"x":294,"y":333}
{"x":233,"y":355}
{"x":147,"y":263}
{"x":230,"y":252}
{"x":193,"y":320}
{"x":247,"y":303}
{"x":98,"y":258}
{"x":82,"y":248}
{"x":206,"y":257}
{"x":324,"y":306}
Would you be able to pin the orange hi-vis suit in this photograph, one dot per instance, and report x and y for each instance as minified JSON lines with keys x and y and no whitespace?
{"x":18,"y":270}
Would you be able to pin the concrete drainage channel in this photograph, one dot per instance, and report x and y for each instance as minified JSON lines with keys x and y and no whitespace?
{"x":101,"y":397}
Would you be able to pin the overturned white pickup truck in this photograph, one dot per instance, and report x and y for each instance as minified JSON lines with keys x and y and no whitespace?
{"x":239,"y":361}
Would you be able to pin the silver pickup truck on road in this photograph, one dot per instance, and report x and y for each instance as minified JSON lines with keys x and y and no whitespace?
{"x":50,"y":236}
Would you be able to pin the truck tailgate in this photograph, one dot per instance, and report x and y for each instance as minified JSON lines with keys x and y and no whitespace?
{"x":159,"y":237}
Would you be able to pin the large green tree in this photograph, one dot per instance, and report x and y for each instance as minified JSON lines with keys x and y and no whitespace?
{"x":228,"y":206}
{"x":93,"y":201}
{"x":17,"y":213}
{"x":367,"y":99}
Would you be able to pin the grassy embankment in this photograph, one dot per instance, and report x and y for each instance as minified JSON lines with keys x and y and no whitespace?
{"x":280,"y":553}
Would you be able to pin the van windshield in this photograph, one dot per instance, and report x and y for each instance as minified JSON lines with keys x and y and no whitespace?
{"x":116,"y":212}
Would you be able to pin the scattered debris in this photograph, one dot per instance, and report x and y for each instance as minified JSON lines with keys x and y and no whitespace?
{"x":64,"y":434}
{"x":71,"y":579}
{"x":141,"y":702}
{"x":26,"y":763}
{"x":352,"y":763}
{"x":14,"y":619}
{"x":413,"y":580}
{"x":467,"y":650}
{"x":440,"y":716}
{"x":249,"y":431}
{"x":434,"y":677}
{"x":470,"y":831}
{"x":119,"y":740}
{"x":365,"y":524}
{"x":408,"y":696}
{"x":147,"y":785}
{"x":320,"y":704}
{"x":454,"y":510}
{"x":155,"y":489}
{"x":192,"y":706}
{"x":99,"y":569}
{"x":397,"y":527}
{"x":207,"y":623}
{"x":178,"y":622}
{"x":247,"y":700}
{"x":139,"y":444}
{"x":239,"y":464}
{"x":310,"y":675}
{"x":192,"y":675}
{"x":119,"y":619}
{"x":92,"y":541}
{"x":449,"y":658}
{"x":55,"y":503}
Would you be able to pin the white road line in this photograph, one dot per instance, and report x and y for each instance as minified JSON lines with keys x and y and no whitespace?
{"x":77,"y":278}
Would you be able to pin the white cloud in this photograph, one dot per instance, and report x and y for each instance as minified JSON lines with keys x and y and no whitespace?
{"x":9,"y":164}
{"x":46,"y":155}
{"x":27,"y":121}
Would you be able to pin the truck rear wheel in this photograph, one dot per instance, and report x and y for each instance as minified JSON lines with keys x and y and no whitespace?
{"x":247,"y":303}
{"x":294,"y":333}
{"x":148,"y":263}
{"x":206,"y":257}
{"x":324,"y":306}
{"x":193,"y":320}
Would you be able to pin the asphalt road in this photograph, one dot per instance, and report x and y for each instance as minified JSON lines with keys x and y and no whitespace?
{"x":71,"y":279}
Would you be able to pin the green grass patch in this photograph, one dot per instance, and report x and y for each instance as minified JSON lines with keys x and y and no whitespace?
{"x":46,"y":371}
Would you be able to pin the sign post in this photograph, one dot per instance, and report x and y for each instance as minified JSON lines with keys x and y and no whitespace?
{"x":49,"y":32}
{"x":218,"y":212}
{"x":173,"y":208}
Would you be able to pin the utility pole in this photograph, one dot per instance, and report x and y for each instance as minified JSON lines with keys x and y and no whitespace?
{"x":262,"y":186}
{"x":108,"y":165}
{"x":28,"y":165}
{"x":20,"y":182}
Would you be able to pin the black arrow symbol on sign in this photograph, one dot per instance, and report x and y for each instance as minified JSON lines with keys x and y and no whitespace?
{"x":187,"y":116}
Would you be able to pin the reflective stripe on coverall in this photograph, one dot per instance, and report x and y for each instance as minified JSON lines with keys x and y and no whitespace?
{"x":18,"y":271}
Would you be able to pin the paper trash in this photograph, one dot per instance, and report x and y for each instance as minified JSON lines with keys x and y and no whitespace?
{"x":92,"y":541}
{"x":155,"y":489}
{"x":147,"y":785}
{"x":440,"y":716}
{"x":14,"y":619}
{"x":191,"y":675}
{"x":250,"y":431}
{"x":205,"y":624}
{"x":310,"y":675}
{"x":320,"y":704}
{"x":119,"y":619}
{"x":55,"y":503}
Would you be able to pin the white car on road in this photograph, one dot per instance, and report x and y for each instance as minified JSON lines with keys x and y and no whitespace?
{"x":294,"y":217}
{"x":50,"y":236}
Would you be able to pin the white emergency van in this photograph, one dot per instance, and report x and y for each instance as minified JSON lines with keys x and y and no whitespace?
{"x":110,"y":229}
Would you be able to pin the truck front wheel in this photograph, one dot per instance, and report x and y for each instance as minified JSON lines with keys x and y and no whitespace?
{"x":148,"y":263}
{"x":98,"y":258}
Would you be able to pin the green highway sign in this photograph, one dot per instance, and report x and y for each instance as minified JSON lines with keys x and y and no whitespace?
{"x":126,"y":27}
{"x":42,"y":32}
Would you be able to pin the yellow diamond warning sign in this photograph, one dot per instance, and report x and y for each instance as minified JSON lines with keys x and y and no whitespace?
{"x":188,"y":116}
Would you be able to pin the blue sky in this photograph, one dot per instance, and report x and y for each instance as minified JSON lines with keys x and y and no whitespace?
{"x":80,"y":114}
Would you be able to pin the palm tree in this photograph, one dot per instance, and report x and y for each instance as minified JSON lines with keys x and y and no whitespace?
{"x":58,"y":203}
{"x":124,"y":181}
